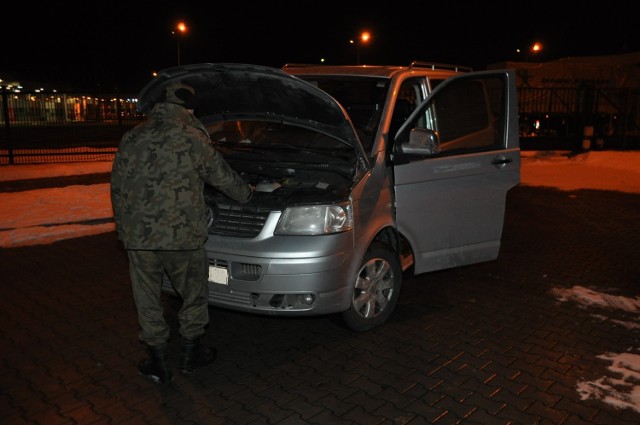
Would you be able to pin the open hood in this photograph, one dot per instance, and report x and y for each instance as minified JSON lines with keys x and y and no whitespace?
{"x":240,"y":91}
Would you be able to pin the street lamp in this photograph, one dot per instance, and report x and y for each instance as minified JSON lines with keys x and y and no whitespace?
{"x":364,"y":38}
{"x":534,"y":49}
{"x":180,"y":28}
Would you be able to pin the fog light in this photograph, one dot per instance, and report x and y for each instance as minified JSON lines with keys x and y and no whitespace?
{"x":307,"y":299}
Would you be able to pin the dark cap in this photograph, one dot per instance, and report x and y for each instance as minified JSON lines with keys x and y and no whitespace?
{"x":181,"y":94}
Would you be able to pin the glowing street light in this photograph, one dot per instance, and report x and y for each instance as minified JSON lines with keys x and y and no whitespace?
{"x":180,"y":29}
{"x":534,"y":49}
{"x":364,"y":38}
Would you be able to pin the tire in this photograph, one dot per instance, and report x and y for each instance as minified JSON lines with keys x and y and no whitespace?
{"x":376,"y":289}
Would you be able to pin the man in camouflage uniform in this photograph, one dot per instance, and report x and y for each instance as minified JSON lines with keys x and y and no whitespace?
{"x":157,"y":185}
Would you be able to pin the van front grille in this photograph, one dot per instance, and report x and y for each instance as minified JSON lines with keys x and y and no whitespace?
{"x":238,"y":220}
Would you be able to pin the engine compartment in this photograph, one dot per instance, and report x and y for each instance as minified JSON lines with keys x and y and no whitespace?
{"x":288,"y":165}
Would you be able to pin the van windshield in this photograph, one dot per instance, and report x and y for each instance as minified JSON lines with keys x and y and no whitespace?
{"x":362,"y":97}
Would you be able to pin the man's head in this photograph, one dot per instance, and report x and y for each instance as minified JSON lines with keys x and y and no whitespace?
{"x":181,"y":94}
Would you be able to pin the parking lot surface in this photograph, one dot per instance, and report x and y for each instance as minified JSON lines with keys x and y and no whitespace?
{"x":492,"y":343}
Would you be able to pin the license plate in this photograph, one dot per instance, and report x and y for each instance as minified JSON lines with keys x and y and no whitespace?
{"x":218,"y":275}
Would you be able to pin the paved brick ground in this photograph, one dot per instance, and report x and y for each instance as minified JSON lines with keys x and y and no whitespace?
{"x":483,"y":344}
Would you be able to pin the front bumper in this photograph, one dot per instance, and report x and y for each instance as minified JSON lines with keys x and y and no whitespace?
{"x":317,"y":282}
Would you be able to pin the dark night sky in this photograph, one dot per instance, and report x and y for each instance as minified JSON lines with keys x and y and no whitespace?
{"x":119,"y":44}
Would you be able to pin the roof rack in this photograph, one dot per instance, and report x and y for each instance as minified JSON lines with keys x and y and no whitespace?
{"x":414,"y":64}
{"x":436,"y":66}
{"x":298,"y":65}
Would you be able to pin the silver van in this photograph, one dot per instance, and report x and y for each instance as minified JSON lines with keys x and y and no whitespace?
{"x":362,"y":174}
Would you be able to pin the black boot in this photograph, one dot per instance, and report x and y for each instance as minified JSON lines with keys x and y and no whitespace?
{"x":156,"y":368}
{"x":194,"y":355}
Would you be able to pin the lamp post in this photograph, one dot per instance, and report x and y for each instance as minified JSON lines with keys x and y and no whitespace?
{"x":180,"y":28}
{"x":364,"y":38}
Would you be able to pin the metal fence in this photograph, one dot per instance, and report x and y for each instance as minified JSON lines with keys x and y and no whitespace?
{"x":64,"y":127}
{"x":579,"y":118}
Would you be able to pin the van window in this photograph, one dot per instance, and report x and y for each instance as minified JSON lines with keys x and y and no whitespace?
{"x":466,"y":115}
{"x":461,"y":109}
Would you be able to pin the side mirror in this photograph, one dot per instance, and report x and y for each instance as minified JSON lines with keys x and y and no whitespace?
{"x":422,"y":141}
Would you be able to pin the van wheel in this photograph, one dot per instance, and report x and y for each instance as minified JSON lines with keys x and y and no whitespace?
{"x":376,"y":289}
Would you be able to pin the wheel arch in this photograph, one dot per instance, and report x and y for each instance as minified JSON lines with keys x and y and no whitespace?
{"x":398,"y":243}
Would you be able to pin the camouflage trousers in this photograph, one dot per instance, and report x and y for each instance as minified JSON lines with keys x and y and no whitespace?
{"x":188,"y":272}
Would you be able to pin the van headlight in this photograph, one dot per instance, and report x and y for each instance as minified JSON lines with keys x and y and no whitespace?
{"x":315,"y":220}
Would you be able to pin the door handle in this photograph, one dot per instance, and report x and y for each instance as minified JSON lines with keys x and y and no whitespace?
{"x":501,"y":161}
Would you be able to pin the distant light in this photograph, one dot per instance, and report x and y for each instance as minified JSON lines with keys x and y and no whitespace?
{"x":182,"y":27}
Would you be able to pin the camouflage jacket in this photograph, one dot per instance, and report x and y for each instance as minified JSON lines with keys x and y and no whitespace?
{"x":157,"y":181}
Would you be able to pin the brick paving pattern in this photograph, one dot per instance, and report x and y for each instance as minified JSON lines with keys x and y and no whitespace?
{"x":482,"y":344}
